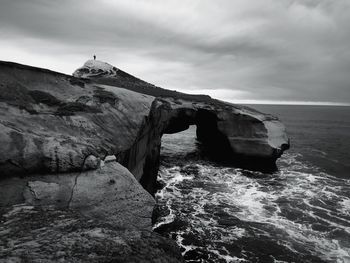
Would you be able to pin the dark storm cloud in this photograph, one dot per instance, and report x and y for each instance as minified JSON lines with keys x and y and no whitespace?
{"x":290,"y":50}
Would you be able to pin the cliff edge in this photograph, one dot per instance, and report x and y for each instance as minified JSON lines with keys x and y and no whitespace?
{"x":62,"y":138}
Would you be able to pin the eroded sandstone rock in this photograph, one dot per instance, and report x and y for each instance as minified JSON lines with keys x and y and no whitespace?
{"x":47,"y":124}
{"x":91,"y":216}
{"x":55,"y":123}
{"x":63,"y":196}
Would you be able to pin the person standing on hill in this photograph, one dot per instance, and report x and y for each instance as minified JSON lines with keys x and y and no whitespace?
{"x":94,"y":57}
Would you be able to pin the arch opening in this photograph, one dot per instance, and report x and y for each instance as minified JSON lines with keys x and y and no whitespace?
{"x":212,"y":144}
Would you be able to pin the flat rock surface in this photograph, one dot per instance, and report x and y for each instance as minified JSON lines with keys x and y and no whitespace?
{"x":32,"y":234}
{"x":93,"y":216}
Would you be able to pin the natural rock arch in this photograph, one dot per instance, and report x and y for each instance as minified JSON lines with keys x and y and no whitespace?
{"x":253,"y":142}
{"x":59,"y":124}
{"x":60,"y":137}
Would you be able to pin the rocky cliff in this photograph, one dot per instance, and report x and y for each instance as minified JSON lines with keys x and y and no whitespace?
{"x":62,"y":138}
{"x":102,"y":215}
{"x":235,"y":134}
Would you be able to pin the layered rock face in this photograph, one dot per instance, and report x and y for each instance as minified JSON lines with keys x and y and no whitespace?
{"x":62,"y":138}
{"x":63,"y":197}
{"x":54,"y":123}
{"x":236,"y":134}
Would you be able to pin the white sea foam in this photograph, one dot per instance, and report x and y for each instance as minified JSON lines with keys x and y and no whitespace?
{"x":345,"y":207}
{"x":227,"y":257}
{"x":296,"y":208}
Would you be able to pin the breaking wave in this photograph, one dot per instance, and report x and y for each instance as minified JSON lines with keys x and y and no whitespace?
{"x":225,"y":214}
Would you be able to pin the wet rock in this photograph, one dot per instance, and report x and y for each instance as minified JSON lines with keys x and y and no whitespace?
{"x":33,"y":234}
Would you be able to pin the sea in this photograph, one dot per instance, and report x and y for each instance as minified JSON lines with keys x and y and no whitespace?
{"x":299,"y":213}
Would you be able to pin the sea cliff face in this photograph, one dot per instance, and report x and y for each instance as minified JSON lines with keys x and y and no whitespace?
{"x":62,"y":138}
{"x":235,"y":134}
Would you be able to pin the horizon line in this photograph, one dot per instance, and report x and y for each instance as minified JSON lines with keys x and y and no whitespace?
{"x":290,"y":103}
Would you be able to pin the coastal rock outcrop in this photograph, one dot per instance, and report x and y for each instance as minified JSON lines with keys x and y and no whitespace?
{"x":62,"y":138}
{"x":103,"y":215}
{"x":54,"y":123}
{"x":232,"y":133}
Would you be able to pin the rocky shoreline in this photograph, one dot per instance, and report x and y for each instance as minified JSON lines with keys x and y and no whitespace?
{"x":79,"y":160}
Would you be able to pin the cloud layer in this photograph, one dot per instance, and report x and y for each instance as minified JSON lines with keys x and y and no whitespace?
{"x":272,"y":50}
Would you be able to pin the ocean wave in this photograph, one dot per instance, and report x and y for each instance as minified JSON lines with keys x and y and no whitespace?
{"x":299,"y":210}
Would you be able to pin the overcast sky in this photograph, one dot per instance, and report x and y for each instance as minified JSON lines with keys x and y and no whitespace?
{"x":236,"y":50}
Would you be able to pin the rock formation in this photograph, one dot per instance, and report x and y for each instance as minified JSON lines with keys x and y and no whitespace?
{"x":57,"y":133}
{"x":236,"y":134}
{"x":101,"y":215}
